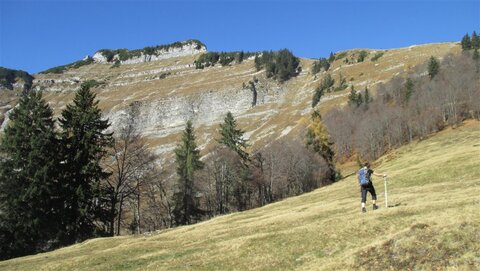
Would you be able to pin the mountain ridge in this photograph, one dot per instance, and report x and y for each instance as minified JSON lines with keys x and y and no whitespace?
{"x":171,"y":91}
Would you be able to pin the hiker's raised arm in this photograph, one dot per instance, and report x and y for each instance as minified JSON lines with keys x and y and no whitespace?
{"x":379,"y":174}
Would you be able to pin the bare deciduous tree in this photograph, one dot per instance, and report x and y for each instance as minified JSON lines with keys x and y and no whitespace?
{"x":131,"y":165}
{"x":398,"y":113}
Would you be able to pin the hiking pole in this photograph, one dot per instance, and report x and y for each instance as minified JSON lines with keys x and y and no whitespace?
{"x":386,"y":197}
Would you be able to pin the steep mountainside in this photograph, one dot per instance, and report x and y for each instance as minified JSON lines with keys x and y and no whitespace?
{"x":168,"y":90}
{"x":12,"y":84}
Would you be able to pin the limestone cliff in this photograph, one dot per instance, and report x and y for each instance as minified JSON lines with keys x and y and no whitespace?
{"x":168,"y":90}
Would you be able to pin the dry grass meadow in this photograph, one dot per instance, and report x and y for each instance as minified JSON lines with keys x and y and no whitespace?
{"x":433,"y":223}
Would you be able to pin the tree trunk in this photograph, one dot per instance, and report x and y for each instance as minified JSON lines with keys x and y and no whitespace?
{"x":119,"y":218}
{"x":138,"y":212}
{"x":112,"y":215}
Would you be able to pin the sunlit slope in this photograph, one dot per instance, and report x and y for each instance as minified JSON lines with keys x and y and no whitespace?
{"x":280,"y":110}
{"x":433,"y":222}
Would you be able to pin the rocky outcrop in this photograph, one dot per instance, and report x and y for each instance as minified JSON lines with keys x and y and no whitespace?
{"x":186,"y":49}
{"x":98,"y":57}
{"x":168,"y":116}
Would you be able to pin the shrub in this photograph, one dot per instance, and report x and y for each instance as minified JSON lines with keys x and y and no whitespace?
{"x":320,"y":64}
{"x":116,"y":64}
{"x":340,"y":56}
{"x":342,"y":83}
{"x":362,"y":55}
{"x":92,"y":83}
{"x":377,"y":56}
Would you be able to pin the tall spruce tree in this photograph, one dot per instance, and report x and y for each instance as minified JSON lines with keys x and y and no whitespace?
{"x":232,"y":137}
{"x":85,"y":141}
{"x":408,"y":89}
{"x":29,"y":187}
{"x":319,"y":140}
{"x":466,"y":42}
{"x":367,"y":98}
{"x":188,"y":161}
{"x":319,"y":91}
{"x":433,"y":67}
{"x":331,"y":58}
{"x":475,"y":40}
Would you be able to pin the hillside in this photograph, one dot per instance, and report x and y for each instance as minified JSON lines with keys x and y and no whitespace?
{"x":432,"y":224}
{"x":170,"y":91}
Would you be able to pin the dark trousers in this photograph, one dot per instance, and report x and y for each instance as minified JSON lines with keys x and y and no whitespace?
{"x":368,"y":188}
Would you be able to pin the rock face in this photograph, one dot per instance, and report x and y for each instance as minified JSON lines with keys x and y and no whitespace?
{"x":168,"y":91}
{"x":98,"y":57}
{"x":168,"y":115}
{"x":186,"y":49}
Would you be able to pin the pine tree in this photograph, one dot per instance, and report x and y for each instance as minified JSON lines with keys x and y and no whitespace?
{"x":352,"y":97}
{"x":188,"y":161}
{"x":433,"y":67}
{"x":29,"y":187}
{"x":241,"y":56}
{"x":466,"y":42}
{"x":319,"y":140}
{"x":475,"y":40}
{"x":368,"y":99}
{"x":85,"y":144}
{"x":408,"y":89}
{"x":331,"y":58}
{"x":359,"y":99}
{"x":233,"y":137}
{"x":317,"y":96}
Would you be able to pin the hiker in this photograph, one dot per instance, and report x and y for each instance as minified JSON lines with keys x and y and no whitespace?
{"x":366,"y":185}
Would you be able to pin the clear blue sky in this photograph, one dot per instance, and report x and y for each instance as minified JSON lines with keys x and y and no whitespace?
{"x":36,"y":35}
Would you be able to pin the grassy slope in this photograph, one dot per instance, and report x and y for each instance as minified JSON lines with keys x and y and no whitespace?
{"x":129,"y":83}
{"x":433,"y":222}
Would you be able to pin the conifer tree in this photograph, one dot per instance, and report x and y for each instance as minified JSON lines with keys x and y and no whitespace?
{"x":233,"y":137}
{"x":359,"y":99}
{"x":475,"y":40}
{"x":319,"y":140}
{"x":433,"y":67}
{"x":367,"y":98}
{"x":240,"y":57}
{"x":29,"y":187}
{"x":352,"y":97}
{"x":85,"y":143}
{"x":317,"y":96}
{"x":331,"y":58}
{"x":408,"y":89}
{"x":466,"y":42}
{"x":188,"y":161}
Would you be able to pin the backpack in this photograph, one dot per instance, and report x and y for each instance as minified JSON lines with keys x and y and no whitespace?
{"x":363,"y":177}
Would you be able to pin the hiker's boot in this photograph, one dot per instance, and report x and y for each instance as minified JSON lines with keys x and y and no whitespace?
{"x":364,"y":210}
{"x":375,"y":207}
